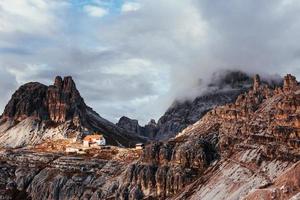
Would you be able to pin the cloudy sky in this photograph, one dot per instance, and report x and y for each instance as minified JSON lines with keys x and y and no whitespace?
{"x":134,"y":57}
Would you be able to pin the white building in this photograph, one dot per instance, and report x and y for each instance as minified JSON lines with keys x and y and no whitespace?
{"x":94,"y":140}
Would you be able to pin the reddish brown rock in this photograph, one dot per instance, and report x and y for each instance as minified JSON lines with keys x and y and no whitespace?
{"x":290,"y":82}
{"x":64,"y":101}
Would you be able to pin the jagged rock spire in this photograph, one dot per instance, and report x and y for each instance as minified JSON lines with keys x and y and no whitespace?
{"x":289,"y":83}
{"x":64,"y":100}
{"x":58,"y":82}
{"x":256,"y":82}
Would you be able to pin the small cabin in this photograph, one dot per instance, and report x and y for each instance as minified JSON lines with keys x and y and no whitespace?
{"x":94,"y":140}
{"x":139,"y":146}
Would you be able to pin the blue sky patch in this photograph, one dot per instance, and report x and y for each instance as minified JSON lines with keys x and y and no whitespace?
{"x":113,"y":6}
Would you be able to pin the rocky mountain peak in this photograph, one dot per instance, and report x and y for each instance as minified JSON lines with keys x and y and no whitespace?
{"x":289,"y":83}
{"x":59,"y":102}
{"x":131,"y":125}
{"x":37,"y":112}
{"x":69,"y":84}
{"x":152,"y":122}
{"x":58,"y":82}
{"x":64,"y":101}
{"x":27,"y":101}
{"x":229,"y":78}
{"x":66,"y":84}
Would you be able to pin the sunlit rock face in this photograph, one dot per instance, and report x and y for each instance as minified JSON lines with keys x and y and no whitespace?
{"x":264,"y":115}
{"x":290,"y":83}
{"x":64,"y":101}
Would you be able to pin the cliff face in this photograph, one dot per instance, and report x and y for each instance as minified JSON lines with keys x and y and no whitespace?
{"x":167,"y":168}
{"x":64,"y":101}
{"x":39,"y":175}
{"x":37,"y":112}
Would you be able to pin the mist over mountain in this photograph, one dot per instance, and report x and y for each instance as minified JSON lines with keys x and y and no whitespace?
{"x":223,"y":88}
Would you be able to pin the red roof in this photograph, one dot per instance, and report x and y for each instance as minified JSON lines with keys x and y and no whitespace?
{"x":93,"y":137}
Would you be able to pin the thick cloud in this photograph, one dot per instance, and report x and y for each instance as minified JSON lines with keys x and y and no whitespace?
{"x":7,"y":84}
{"x":136,"y":57}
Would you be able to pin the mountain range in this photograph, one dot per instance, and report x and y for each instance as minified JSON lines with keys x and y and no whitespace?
{"x":238,"y":140}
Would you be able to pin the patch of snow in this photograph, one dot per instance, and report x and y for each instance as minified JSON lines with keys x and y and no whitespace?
{"x":29,"y":132}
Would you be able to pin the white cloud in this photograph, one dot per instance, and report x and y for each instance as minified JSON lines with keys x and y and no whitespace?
{"x":130,"y":6}
{"x":95,"y":11}
{"x":29,"y":16}
{"x":134,"y":66}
